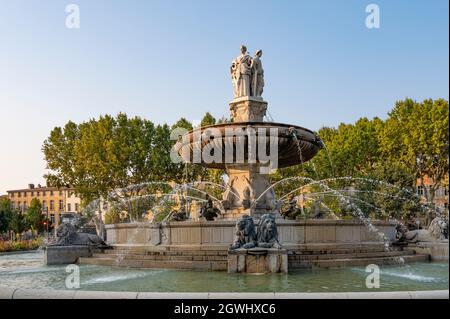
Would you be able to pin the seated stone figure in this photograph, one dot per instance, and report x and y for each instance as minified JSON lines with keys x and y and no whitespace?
{"x":292,"y":211}
{"x":209,"y":211}
{"x":68,"y":235}
{"x":267,"y":232}
{"x":180,"y":215}
{"x":317,"y":212}
{"x":245,"y":235}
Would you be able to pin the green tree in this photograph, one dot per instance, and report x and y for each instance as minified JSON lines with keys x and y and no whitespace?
{"x":18,"y":224}
{"x":34,"y":216}
{"x":187,"y":172}
{"x":208,"y":119}
{"x":5,"y":214}
{"x":100,"y":155}
{"x":416,"y":135}
{"x":412,"y":143}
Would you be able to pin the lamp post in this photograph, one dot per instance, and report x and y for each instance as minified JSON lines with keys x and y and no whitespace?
{"x":46,"y":227}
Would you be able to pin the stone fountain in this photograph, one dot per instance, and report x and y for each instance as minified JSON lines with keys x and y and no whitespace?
{"x":241,"y":146}
{"x":247,"y":233}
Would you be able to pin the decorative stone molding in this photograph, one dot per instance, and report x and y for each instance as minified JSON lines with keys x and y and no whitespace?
{"x":248,"y":109}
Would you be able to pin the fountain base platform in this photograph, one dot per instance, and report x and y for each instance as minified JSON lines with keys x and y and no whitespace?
{"x":60,"y":255}
{"x":258,"y":261}
{"x":438,"y":250}
{"x":203,"y":245}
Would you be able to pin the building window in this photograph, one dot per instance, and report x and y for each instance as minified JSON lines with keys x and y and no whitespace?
{"x":43,"y":193}
{"x":52,"y":205}
{"x":52,"y":218}
{"x":44,"y":205}
{"x":419,"y":190}
{"x":18,"y":194}
{"x":51,"y":193}
{"x":13,"y":205}
{"x":12,"y":195}
{"x":60,"y":206}
{"x":25,"y":206}
{"x":69,"y":207}
{"x":18,"y":206}
{"x":60,"y":193}
{"x":37,"y":193}
{"x":76,"y":207}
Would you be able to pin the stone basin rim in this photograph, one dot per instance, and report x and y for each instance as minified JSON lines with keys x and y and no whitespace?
{"x":29,"y":293}
{"x":257,"y":124}
{"x":288,"y":153}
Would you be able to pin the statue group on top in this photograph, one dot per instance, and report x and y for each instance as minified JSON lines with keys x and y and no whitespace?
{"x":247,"y":74}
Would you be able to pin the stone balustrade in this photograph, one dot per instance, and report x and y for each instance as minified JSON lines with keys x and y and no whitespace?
{"x":291,"y":233}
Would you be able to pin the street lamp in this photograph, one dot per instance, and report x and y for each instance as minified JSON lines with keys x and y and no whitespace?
{"x":46,"y":227}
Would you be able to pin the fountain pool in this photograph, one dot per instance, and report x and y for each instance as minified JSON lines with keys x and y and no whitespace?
{"x":27,"y":270}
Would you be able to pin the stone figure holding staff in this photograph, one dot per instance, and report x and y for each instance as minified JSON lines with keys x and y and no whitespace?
{"x":257,"y":75}
{"x":241,"y":73}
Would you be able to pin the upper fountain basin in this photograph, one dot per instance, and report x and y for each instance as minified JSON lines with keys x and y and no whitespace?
{"x":234,"y":142}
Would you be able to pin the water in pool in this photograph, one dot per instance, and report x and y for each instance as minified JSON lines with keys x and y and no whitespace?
{"x":27,"y":271}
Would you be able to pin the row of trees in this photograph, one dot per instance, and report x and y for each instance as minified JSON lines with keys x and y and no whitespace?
{"x":103,"y":154}
{"x":14,"y":221}
{"x":110,"y":153}
{"x":413,"y":142}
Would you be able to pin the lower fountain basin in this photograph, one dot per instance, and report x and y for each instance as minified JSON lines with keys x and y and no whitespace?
{"x":19,"y":273}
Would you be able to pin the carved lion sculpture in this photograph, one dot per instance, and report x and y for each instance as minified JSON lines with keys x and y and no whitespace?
{"x":67,"y":234}
{"x":438,"y":230}
{"x":245,"y":235}
{"x":267,"y":232}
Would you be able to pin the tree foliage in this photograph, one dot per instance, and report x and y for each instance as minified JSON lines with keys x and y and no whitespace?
{"x":34,"y":216}
{"x":98,"y":156}
{"x":5,"y":214}
{"x":417,"y":136}
{"x":108,"y":153}
{"x":18,"y":224}
{"x":104,"y":154}
{"x":411,"y":143}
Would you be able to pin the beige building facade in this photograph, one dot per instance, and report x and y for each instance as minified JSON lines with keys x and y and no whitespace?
{"x":56,"y":202}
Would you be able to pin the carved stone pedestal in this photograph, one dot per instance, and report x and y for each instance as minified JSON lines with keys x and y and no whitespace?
{"x":258,"y":261}
{"x":248,"y":192}
{"x":248,"y":109}
{"x":59,"y":255}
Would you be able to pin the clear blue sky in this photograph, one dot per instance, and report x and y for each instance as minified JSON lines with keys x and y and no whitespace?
{"x":165,"y":59}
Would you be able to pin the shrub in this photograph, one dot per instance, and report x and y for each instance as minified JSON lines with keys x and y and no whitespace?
{"x":7,"y":246}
